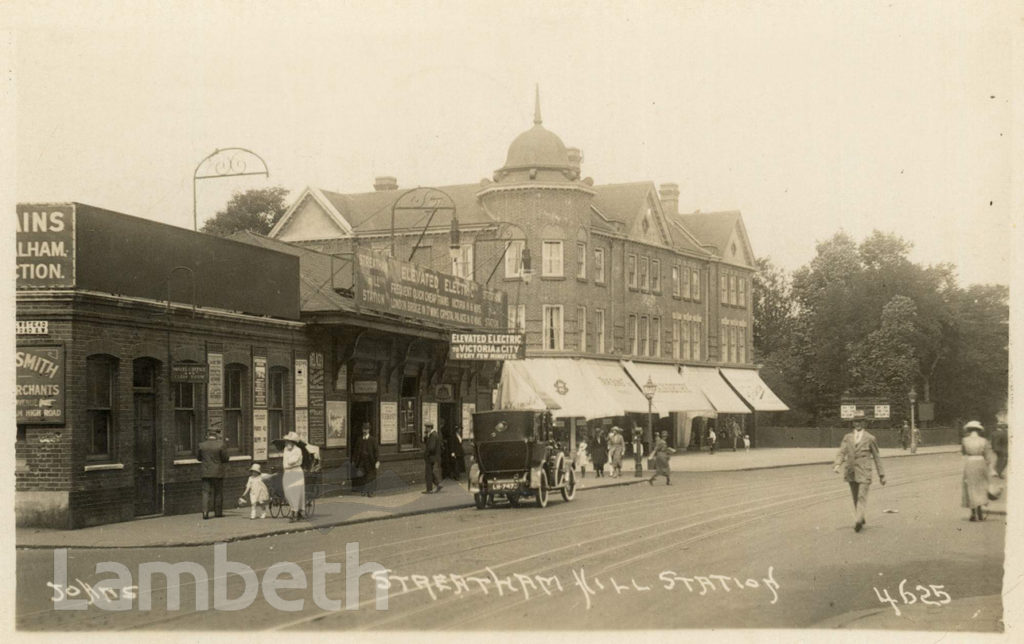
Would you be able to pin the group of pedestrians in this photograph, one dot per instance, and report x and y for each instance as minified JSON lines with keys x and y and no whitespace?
{"x":984,"y":467}
{"x":603,"y":450}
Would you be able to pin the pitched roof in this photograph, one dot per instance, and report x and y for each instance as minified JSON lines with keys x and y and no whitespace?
{"x":319,"y":274}
{"x":369,"y":212}
{"x":713,"y":228}
{"x":624,"y":202}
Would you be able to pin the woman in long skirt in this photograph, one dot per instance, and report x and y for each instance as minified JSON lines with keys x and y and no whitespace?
{"x":599,"y":453}
{"x":660,"y":454}
{"x":293,"y":480}
{"x":978,"y":454}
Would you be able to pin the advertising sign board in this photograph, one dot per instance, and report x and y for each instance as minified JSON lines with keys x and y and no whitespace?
{"x":45,"y":245}
{"x":40,"y":384}
{"x":487,"y":346}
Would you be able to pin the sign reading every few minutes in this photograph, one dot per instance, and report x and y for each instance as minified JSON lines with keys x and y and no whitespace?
{"x":487,"y":346}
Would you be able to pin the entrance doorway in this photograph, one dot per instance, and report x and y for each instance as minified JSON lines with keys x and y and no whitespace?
{"x":360,"y":411}
{"x":448,"y":422}
{"x":147,"y":498}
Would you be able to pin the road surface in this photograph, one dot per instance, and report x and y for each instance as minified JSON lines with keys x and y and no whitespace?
{"x":758,"y":549}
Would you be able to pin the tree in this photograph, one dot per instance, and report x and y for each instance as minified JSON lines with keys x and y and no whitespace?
{"x":886,"y":362}
{"x":773,"y":309}
{"x":255,"y":210}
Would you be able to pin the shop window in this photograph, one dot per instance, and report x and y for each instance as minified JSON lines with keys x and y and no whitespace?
{"x":277,"y":380}
{"x":553,"y":330}
{"x":655,"y":276}
{"x":236,"y":388}
{"x":581,"y":326}
{"x":552,"y":259}
{"x":645,"y":283}
{"x":514,"y":260}
{"x":599,"y":265}
{"x":185,"y":417}
{"x":408,"y":428}
{"x":101,"y":387}
{"x":599,"y":329}
{"x":656,"y":337}
{"x":631,"y":271}
{"x":581,"y":261}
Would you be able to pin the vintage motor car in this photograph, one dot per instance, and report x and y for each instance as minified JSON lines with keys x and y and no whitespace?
{"x":517,"y":457}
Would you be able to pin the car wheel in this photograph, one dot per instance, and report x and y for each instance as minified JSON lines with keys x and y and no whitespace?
{"x":542,"y":491}
{"x":569,"y":489}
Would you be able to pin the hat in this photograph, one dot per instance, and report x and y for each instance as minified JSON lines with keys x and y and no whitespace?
{"x":255,"y":468}
{"x":428,"y":425}
{"x":290,"y":437}
{"x":973,"y":425}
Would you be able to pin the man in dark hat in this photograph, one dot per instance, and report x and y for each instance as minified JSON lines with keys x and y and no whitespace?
{"x":367,"y":461}
{"x":856,"y":454}
{"x":431,"y":457}
{"x":212,"y":455}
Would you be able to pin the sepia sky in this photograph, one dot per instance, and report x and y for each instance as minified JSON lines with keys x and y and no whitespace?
{"x":809,"y":117}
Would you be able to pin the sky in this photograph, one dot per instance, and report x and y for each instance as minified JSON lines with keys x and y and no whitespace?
{"x":809,"y":117}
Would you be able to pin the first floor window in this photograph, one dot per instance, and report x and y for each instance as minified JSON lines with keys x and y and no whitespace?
{"x":581,"y":326}
{"x":631,"y":271}
{"x":514,"y":259}
{"x":644,"y":331}
{"x":655,"y":276}
{"x":695,"y":335}
{"x":695,"y":285}
{"x":732,"y":290}
{"x":677,"y":337}
{"x":581,"y":261}
{"x":462,"y":263}
{"x":723,"y":281}
{"x":631,"y":334}
{"x":552,"y":327}
{"x":599,"y":265}
{"x":517,"y":318}
{"x":599,"y":329}
{"x":687,"y":355}
{"x":185,"y":417}
{"x":101,"y":384}
{"x":741,"y":356}
{"x":741,"y":294}
{"x":656,"y":337}
{"x":676,"y":288}
{"x":552,"y":259}
{"x":275,"y":403}
{"x":235,"y":390}
{"x":645,"y":280}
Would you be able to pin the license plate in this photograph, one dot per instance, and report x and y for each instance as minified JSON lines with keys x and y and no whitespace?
{"x":503,"y":486}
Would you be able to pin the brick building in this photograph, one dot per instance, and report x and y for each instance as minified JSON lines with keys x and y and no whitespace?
{"x":611,"y":285}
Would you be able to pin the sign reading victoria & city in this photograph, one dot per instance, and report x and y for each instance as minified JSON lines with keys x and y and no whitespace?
{"x":391,"y":286}
{"x":487,"y":346}
{"x":40,"y":384}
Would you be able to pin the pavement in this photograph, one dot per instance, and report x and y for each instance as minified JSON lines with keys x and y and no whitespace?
{"x":330,"y":512}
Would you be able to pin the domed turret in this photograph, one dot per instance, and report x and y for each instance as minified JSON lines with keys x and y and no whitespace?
{"x":537,"y":155}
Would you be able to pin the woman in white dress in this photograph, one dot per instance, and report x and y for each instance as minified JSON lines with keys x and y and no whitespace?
{"x":293,"y":480}
{"x":978,"y":460}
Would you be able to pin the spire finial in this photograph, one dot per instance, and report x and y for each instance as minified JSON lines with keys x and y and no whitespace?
{"x":536,"y":108}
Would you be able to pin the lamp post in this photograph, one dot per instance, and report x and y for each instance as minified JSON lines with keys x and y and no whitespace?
{"x":419,"y":200}
{"x":912,"y":396}
{"x":225,"y":162}
{"x":649,"y":389}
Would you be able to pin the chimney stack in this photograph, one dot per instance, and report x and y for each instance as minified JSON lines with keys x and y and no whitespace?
{"x":382,"y":184}
{"x":669,"y":193}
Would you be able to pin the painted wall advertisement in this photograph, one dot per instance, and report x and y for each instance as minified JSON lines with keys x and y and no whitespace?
{"x":337,"y":415}
{"x":388,"y":422}
{"x":400,"y":288}
{"x":301,"y":372}
{"x":40,"y":384}
{"x":468,"y":409}
{"x":259,"y":381}
{"x":259,"y":434}
{"x":45,"y":244}
{"x":302,"y":424}
{"x":317,"y":427}
{"x":487,"y":346}
{"x":215,"y":384}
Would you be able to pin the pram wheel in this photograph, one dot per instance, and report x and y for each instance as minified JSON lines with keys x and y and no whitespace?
{"x":276,"y":509}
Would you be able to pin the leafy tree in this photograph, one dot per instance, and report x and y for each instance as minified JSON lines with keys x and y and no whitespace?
{"x":886,"y":362}
{"x":255,"y":210}
{"x":773,"y":309}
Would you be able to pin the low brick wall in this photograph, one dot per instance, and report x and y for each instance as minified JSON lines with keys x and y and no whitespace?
{"x":832,"y":436}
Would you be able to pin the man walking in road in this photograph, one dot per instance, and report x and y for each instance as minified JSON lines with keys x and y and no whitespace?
{"x":856,"y":453}
{"x":212,"y":455}
{"x":431,"y":457}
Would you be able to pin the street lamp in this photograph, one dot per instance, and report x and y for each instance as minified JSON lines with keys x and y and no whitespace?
{"x":649,"y":389}
{"x":421,"y":199}
{"x":912,"y":396}
{"x":221,"y":163}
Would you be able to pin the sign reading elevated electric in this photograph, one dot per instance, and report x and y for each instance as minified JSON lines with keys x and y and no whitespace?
{"x":487,"y":346}
{"x":391,"y":286}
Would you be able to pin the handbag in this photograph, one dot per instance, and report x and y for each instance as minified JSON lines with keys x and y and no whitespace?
{"x":995,"y":489}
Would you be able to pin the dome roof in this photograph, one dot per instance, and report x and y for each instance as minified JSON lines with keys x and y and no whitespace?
{"x":537,"y":147}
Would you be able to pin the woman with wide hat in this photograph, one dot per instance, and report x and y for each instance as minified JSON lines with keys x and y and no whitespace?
{"x":293,"y":480}
{"x":978,"y":460}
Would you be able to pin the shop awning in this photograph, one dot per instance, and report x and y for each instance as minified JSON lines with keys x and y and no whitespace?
{"x":563,"y":385}
{"x":615,"y":386}
{"x":673,"y":393}
{"x":717,"y":390}
{"x":750,"y":386}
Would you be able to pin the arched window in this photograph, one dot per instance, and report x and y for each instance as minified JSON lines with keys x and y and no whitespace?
{"x":101,"y":394}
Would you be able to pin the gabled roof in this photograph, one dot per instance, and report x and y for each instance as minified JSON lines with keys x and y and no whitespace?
{"x":319,"y":274}
{"x":627,"y":203}
{"x":369,"y":212}
{"x":718,"y":229}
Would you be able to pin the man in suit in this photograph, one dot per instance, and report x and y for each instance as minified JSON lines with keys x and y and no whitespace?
{"x":212,"y":455}
{"x":857,"y":451}
{"x":431,"y":457}
{"x":367,"y":461}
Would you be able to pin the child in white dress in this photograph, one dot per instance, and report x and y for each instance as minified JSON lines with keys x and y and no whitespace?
{"x":258,"y":493}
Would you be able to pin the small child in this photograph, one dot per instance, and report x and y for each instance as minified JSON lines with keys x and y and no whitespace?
{"x":257,"y":491}
{"x":746,"y":442}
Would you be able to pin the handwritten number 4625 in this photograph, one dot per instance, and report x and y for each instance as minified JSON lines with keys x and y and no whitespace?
{"x":908,"y":597}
